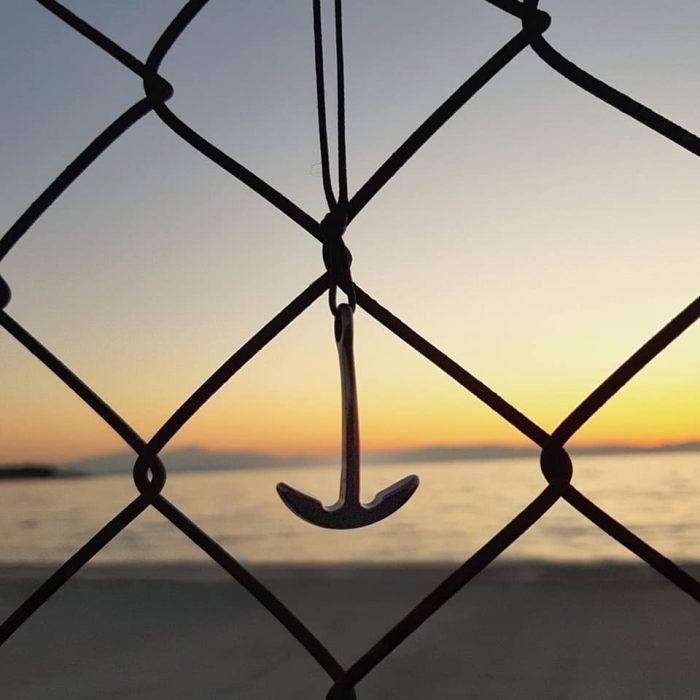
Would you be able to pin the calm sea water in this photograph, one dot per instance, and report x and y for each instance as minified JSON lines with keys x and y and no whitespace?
{"x":457,"y":507}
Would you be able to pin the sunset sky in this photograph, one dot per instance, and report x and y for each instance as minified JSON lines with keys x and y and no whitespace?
{"x":538,"y":239}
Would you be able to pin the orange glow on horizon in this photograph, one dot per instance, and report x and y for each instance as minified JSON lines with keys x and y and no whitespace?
{"x":315,"y":431}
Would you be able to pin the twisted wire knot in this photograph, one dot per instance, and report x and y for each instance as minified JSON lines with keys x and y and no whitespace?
{"x":340,"y":692}
{"x":337,"y":257}
{"x":556,"y":466}
{"x":149,"y":474}
{"x":535,"y":21}
{"x":156,"y":87}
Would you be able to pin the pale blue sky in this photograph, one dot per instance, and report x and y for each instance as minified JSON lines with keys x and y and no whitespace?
{"x":539,"y":238}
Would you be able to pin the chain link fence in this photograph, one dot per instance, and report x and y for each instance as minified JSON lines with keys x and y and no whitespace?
{"x":150,"y":472}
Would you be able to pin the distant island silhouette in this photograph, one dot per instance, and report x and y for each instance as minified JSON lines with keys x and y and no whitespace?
{"x":34,"y":471}
{"x":194,"y":458}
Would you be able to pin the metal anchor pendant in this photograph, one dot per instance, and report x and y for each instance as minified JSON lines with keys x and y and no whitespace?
{"x":347,"y":512}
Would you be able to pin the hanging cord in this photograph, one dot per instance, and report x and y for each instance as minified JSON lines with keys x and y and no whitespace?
{"x":336,"y":256}
{"x":321,"y":107}
{"x":340,"y":82}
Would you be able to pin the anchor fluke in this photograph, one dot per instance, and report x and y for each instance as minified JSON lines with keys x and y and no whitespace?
{"x":345,"y":515}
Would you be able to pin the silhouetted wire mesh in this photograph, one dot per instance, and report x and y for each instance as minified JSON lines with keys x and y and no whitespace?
{"x":149,"y":471}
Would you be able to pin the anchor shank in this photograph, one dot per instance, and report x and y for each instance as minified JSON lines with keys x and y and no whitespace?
{"x":348,"y":512}
{"x":350,"y":475}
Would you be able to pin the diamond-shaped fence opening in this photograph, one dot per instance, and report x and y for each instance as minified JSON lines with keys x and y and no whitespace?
{"x":150,"y":472}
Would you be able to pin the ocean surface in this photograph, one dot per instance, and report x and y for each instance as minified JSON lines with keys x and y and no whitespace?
{"x":457,"y":507}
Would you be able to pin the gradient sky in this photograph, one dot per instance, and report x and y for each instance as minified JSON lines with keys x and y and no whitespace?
{"x":538,"y":239}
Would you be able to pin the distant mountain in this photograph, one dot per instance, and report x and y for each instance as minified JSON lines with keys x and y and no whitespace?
{"x":693,"y":446}
{"x":193,"y":458}
{"x":468,"y":452}
{"x":187,"y":459}
{"x":450,"y":454}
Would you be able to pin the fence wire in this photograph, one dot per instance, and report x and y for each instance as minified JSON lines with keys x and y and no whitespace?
{"x":150,"y":473}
